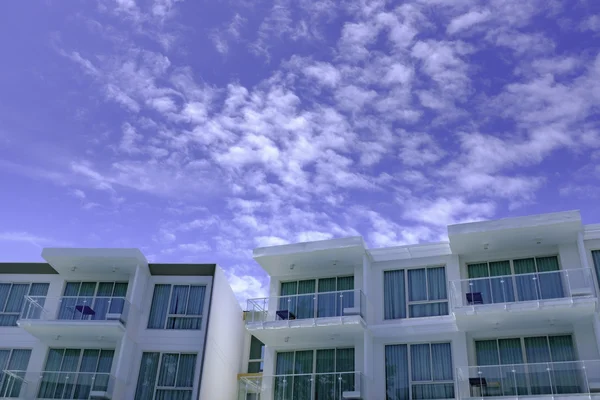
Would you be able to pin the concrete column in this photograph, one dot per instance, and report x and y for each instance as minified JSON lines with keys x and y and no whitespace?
{"x":268,"y":372}
{"x":367,"y":367}
{"x":460,"y":359}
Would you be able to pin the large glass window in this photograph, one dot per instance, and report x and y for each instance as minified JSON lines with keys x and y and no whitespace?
{"x":596,"y":258}
{"x":419,"y":292}
{"x":524,"y":366}
{"x":177,"y":307}
{"x":92,"y":300}
{"x":419,"y":371}
{"x":321,"y":374}
{"x":12,"y":299}
{"x":507,"y":281}
{"x":166,"y":376}
{"x":317,"y":298}
{"x":15,"y":361}
{"x":74,"y":373}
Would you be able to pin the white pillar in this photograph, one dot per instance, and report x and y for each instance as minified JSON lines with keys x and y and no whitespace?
{"x":460,"y":359}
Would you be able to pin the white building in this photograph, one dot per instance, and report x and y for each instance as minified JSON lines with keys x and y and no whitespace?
{"x":106,"y":324}
{"x":505,"y":308}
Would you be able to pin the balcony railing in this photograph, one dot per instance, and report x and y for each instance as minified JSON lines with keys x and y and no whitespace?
{"x":330,"y":386}
{"x":343,"y":303}
{"x":566,"y":283}
{"x":76,"y":308}
{"x":511,"y":380}
{"x":57,"y":385}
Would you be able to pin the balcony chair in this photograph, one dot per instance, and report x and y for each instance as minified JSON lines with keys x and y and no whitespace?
{"x":474,"y":298}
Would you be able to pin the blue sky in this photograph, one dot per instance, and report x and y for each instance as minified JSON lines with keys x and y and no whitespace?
{"x":198,"y":130}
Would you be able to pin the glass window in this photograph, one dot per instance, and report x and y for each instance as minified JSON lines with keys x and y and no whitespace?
{"x":15,"y":361}
{"x":12,"y":299}
{"x":74,"y":373}
{"x":596,"y":258}
{"x":257,"y":351}
{"x":92,"y":300}
{"x":166,"y":376}
{"x":331,"y":370}
{"x":177,"y":307}
{"x":419,"y":371}
{"x":419,"y":292}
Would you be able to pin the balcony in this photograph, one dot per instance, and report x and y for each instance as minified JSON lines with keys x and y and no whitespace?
{"x":75,"y":317}
{"x":330,"y":386}
{"x":565,"y":295}
{"x":57,"y":385}
{"x":327,"y":310}
{"x":554,"y":380}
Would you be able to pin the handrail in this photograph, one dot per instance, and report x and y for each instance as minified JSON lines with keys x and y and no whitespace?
{"x":534,"y":274}
{"x":306,"y":294}
{"x":84,"y":308}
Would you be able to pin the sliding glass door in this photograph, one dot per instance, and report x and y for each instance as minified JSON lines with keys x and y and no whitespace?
{"x":322,"y":374}
{"x":323,"y":297}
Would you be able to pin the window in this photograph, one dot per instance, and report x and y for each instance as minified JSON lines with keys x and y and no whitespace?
{"x":74,"y":373}
{"x":92,"y":300}
{"x":16,"y":361}
{"x":419,"y":371}
{"x":317,"y":298}
{"x":166,"y":376}
{"x":257,"y":353}
{"x":332,"y":371}
{"x":527,"y":371}
{"x":12,"y":299}
{"x":523,"y":279}
{"x":177,"y":307}
{"x":419,"y":292}
{"x":596,"y":258}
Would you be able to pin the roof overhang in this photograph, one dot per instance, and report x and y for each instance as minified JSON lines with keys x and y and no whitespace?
{"x":307,"y":257}
{"x":514,"y":233}
{"x":92,"y":261}
{"x":410,"y":252}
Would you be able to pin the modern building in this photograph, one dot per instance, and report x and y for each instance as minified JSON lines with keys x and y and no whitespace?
{"x":505,"y":309}
{"x":106,"y":324}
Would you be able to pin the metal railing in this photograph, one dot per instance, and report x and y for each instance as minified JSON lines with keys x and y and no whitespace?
{"x":340,"y":303}
{"x":510,"y":380}
{"x":566,"y":283}
{"x":57,"y":385}
{"x":76,"y":308}
{"x":331,"y":386}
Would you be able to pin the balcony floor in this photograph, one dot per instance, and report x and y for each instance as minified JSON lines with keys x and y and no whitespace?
{"x":514,"y":315}
{"x":73,"y":330}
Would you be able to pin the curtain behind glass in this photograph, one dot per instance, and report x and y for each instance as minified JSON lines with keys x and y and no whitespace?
{"x":596,"y":258}
{"x":567,"y":375}
{"x":86,"y":377}
{"x":147,"y":376}
{"x":303,"y":364}
{"x":436,"y":285}
{"x":68,"y":303}
{"x":325,"y":378}
{"x":19,"y":359}
{"x":538,"y":352}
{"x":480,"y":285}
{"x":39,"y":292}
{"x":14,"y":304}
{"x":346,"y":285}
{"x":327,"y":299}
{"x":284,"y":368}
{"x":5,"y":320}
{"x":344,"y":362}
{"x":527,"y":285}
{"x":393,"y":294}
{"x":502,"y":288}
{"x":396,"y":372}
{"x":158,"y":309}
{"x":511,"y":353}
{"x":420,"y":360}
{"x":103,"y":299}
{"x":417,"y":284}
{"x":550,"y":281}
{"x":178,"y":305}
{"x":289,"y":300}
{"x":306,"y":299}
{"x":195,"y":307}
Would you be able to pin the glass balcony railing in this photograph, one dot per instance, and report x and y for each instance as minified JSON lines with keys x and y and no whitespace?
{"x":553,"y":378}
{"x":567,"y":283}
{"x":318,"y":386}
{"x":76,"y":308}
{"x":57,"y":385}
{"x":342,"y":303}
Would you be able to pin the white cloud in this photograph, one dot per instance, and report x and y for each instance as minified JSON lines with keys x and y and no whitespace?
{"x":194,"y":247}
{"x":468,"y":20}
{"x":27,"y":237}
{"x":324,"y":73}
{"x":246,"y":286}
{"x":130,"y":139}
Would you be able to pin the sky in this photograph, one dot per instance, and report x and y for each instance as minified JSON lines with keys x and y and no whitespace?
{"x":199,"y":130}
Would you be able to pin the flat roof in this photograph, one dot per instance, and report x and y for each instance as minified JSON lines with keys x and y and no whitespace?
{"x":41,"y":268}
{"x":175,"y":269}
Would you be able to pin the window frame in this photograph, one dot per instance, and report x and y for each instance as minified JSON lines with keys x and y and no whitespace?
{"x":256,"y":360}
{"x":316,"y":280}
{"x":412,"y":382}
{"x":158,"y":369}
{"x":417,"y":302}
{"x":168,"y":315}
{"x":18,"y":314}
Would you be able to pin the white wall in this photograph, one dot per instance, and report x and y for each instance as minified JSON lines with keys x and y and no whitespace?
{"x":224,"y":343}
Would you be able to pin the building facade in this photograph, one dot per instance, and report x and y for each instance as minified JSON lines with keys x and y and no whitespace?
{"x":505,"y":309}
{"x":106,"y":324}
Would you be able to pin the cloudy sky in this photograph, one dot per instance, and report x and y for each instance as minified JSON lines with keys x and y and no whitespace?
{"x":198,"y":130}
